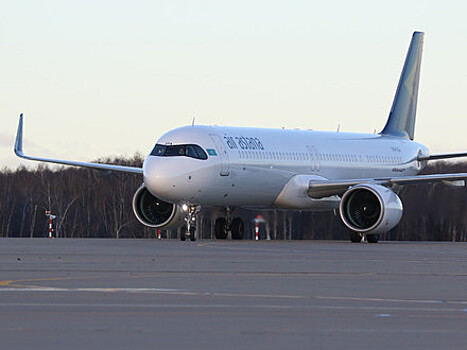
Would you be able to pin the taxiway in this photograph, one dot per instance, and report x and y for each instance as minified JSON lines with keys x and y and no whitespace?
{"x":146,"y":294}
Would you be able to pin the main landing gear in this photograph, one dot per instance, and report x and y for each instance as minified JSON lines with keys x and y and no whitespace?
{"x":189,"y":230}
{"x":226,"y":224}
{"x":357,"y":237}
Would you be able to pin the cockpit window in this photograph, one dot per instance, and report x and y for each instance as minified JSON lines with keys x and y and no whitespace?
{"x":196,"y":151}
{"x":192,"y":151}
{"x":159,"y":150}
{"x":173,"y":151}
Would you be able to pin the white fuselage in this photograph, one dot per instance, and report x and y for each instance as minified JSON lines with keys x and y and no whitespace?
{"x":272,"y":168}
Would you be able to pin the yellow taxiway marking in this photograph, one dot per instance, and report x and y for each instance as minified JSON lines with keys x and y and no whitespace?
{"x":25,"y":283}
{"x":95,"y":290}
{"x":12,"y":286}
{"x":6,"y":283}
{"x":14,"y":283}
{"x":423,"y":301}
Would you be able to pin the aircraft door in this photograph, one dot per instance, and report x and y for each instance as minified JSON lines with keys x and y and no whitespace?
{"x":314,"y":159}
{"x":223,"y":154}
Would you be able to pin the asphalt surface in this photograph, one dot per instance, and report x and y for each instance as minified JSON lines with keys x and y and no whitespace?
{"x":145,"y":294}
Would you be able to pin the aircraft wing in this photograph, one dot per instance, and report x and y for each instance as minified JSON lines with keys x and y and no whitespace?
{"x":441,"y":156}
{"x":99,"y":166}
{"x":325,"y":188}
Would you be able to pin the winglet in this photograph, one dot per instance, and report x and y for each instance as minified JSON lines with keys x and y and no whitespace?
{"x":19,"y":138}
{"x":401,"y":120}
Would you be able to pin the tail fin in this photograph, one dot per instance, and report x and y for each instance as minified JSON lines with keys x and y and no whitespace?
{"x":401,"y":121}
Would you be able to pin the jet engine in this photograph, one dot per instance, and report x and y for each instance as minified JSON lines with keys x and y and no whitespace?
{"x":154,"y":212}
{"x":370,"y":209}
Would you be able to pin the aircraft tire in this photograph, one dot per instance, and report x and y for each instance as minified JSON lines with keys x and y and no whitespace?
{"x":238,"y":228}
{"x":193,"y":234}
{"x":183,"y":234}
{"x":220,"y":228}
{"x":355,"y":237}
{"x":372,"y":238}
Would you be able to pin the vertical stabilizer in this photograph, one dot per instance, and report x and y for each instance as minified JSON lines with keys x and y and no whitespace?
{"x":401,"y":121}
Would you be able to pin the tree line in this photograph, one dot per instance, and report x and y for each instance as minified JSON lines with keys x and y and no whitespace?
{"x":97,"y":204}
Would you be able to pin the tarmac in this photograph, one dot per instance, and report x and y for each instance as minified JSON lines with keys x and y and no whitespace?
{"x":148,"y":294}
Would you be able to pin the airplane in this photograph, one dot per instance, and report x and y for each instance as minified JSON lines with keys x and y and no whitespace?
{"x":358,"y":174}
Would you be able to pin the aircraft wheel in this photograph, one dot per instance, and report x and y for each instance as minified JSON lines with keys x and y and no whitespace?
{"x":193,"y":234}
{"x":372,"y":238}
{"x":238,"y":228}
{"x":183,"y":233}
{"x":356,"y":237}
{"x":220,"y":228}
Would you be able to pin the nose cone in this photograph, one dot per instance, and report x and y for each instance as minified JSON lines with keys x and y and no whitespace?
{"x":177,"y":179}
{"x":158,"y":175}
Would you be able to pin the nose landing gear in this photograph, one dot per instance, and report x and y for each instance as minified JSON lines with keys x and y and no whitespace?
{"x":189,"y":230}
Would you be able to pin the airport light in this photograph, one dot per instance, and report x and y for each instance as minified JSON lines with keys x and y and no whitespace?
{"x":51,"y":217}
{"x":259,"y":219}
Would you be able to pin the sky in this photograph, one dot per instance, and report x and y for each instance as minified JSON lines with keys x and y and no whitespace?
{"x":107,"y":78}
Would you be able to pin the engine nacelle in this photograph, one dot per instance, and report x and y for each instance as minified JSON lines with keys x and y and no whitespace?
{"x":370,"y":208}
{"x":154,"y":212}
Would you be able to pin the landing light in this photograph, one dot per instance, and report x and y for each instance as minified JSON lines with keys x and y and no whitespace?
{"x":184,"y":207}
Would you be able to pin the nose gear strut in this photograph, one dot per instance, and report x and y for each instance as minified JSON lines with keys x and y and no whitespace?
{"x":190,"y":229}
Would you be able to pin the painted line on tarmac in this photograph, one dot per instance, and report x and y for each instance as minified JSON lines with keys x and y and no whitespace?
{"x":377,"y":310}
{"x":391,"y":300}
{"x":95,"y":290}
{"x":167,"y":291}
{"x":186,"y":292}
{"x":14,"y":282}
{"x":12,"y":286}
